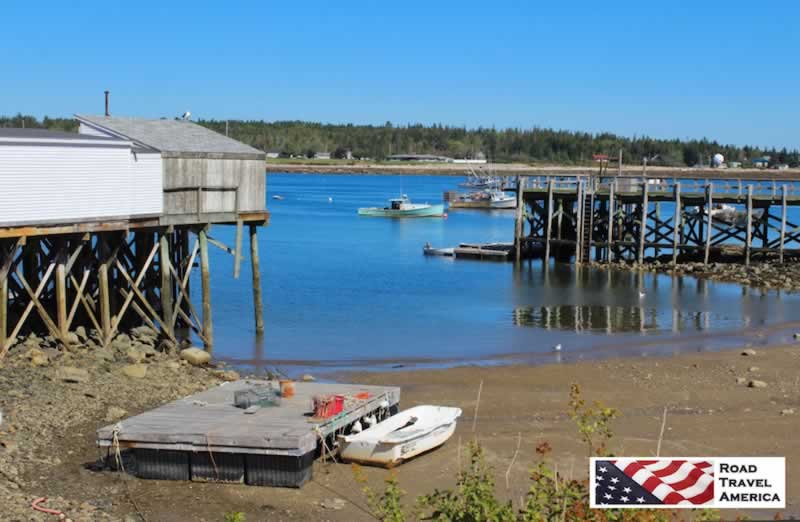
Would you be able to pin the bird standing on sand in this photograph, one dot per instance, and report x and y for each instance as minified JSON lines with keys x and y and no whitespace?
{"x":557,"y":348}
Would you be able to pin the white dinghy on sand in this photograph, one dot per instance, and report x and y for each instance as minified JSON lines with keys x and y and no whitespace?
{"x":400,"y":437}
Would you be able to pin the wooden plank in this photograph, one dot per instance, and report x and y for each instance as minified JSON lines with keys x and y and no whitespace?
{"x":578,"y":222}
{"x":677,"y":223}
{"x":783,"y":220}
{"x":79,"y":289}
{"x":34,"y":296}
{"x":255,"y":265}
{"x":748,"y":244}
{"x":30,"y":305}
{"x":643,"y":220}
{"x":709,"y":220}
{"x":205,"y":278}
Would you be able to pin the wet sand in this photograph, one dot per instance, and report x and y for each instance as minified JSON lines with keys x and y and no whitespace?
{"x":709,"y":414}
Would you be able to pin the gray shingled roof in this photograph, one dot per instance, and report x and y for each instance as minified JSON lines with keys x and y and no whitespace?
{"x":173,"y":136}
{"x":15,"y":132}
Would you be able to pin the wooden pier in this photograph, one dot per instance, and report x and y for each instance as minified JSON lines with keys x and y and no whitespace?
{"x":630,"y":219}
{"x":205,"y":437}
{"x":102,"y":229}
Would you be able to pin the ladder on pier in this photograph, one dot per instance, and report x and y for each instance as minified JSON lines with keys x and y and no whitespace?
{"x":587,"y":222}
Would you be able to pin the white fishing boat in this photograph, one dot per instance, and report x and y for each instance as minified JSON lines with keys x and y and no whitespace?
{"x":400,"y":437}
{"x":499,"y":199}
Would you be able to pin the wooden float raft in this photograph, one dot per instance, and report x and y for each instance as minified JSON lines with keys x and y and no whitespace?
{"x":204,"y":437}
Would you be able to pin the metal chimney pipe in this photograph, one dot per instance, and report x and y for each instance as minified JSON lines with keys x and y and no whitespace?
{"x":107,"y":113}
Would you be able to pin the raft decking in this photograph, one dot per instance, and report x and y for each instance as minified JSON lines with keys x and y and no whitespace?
{"x":205,"y":437}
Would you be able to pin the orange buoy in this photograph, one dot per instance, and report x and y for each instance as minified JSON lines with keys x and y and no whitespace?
{"x":287,"y":388}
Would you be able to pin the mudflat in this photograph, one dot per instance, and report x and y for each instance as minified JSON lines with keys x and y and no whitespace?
{"x":711,"y":411}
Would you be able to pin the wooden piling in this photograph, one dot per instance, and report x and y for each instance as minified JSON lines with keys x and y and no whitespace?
{"x":709,"y":228}
{"x":548,"y":229}
{"x":102,"y":276}
{"x":519,"y":226}
{"x":578,"y":222}
{"x":4,"y":341}
{"x":643,"y":224}
{"x":258,"y":307}
{"x":205,"y":279}
{"x":677,"y":225}
{"x":61,"y":288}
{"x":748,"y":245}
{"x":610,"y":252}
{"x":166,"y":282}
{"x":783,"y":220}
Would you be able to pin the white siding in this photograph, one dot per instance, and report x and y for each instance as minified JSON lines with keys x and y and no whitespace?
{"x":147,"y":184}
{"x":60,"y":184}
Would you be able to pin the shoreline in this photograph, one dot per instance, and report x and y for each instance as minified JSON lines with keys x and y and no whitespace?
{"x":47,"y":445}
{"x":522,"y":169}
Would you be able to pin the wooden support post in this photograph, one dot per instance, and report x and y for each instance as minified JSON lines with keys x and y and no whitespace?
{"x":61,"y":287}
{"x":619,"y":166}
{"x":709,"y":229}
{"x":643,"y":225}
{"x":610,"y":253}
{"x":578,"y":222}
{"x":102,"y":276}
{"x":4,"y":340}
{"x":548,"y":230}
{"x":258,"y":307}
{"x":749,"y":224}
{"x":783,"y":220}
{"x":237,"y":254}
{"x":677,"y":224}
{"x":657,"y":228}
{"x":519,"y":226}
{"x":205,"y":279}
{"x":166,"y":282}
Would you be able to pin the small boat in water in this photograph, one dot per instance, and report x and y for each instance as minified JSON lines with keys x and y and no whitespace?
{"x":401,"y":436}
{"x":278,"y":197}
{"x":499,"y":199}
{"x":428,"y":250}
{"x":403,"y":207}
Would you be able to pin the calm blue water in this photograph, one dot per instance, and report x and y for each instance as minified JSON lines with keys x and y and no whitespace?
{"x":345,"y":291}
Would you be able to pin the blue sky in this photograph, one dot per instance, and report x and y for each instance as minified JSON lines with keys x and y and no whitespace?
{"x":724,"y":70}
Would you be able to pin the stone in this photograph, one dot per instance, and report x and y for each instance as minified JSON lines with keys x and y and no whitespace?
{"x":71,"y":338}
{"x":308,"y":378}
{"x":39,"y":360}
{"x":173,"y":365}
{"x":134,"y":371}
{"x":72,"y":374}
{"x":748,"y":352}
{"x":167,"y":346}
{"x":756,"y":384}
{"x":144,"y":332}
{"x":114,"y":414}
{"x":787,"y":411}
{"x":741,"y":380}
{"x":81,"y":333}
{"x":195,"y":356}
{"x":134,"y":355}
{"x":121,"y":343}
{"x":336,"y":504}
{"x":753,"y":369}
{"x":33,"y":352}
{"x":229,"y":375}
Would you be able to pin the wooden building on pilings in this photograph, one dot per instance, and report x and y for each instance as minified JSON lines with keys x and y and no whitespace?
{"x":613,"y":218}
{"x":101,"y":229}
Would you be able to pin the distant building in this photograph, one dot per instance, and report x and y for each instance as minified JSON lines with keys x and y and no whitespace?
{"x":735,"y":164}
{"x":273,"y":155}
{"x":322,"y":155}
{"x":761,"y":163}
{"x":781,"y":166}
{"x":473,"y":161}
{"x":420,"y":157}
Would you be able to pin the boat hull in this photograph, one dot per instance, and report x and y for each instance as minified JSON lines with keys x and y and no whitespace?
{"x":390,"y":455}
{"x":428,"y":211}
{"x":504,"y":203}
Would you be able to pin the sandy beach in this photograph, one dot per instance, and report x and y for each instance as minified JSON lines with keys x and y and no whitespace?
{"x":48,"y":446}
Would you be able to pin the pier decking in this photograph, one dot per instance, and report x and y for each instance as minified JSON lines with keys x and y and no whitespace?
{"x":275,"y":446}
{"x":607,"y":218}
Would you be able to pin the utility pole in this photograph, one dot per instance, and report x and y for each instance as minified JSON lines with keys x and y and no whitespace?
{"x":226,"y":128}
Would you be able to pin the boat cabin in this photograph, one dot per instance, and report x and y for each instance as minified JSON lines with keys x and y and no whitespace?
{"x":397,"y":203}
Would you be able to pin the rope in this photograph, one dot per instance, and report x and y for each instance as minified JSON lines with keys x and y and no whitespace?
{"x":35,"y":505}
{"x":121,"y":468}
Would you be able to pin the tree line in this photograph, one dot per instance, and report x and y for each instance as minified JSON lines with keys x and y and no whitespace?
{"x":377,"y":142}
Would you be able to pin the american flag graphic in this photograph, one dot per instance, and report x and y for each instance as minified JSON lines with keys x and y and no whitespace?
{"x":657,"y":482}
